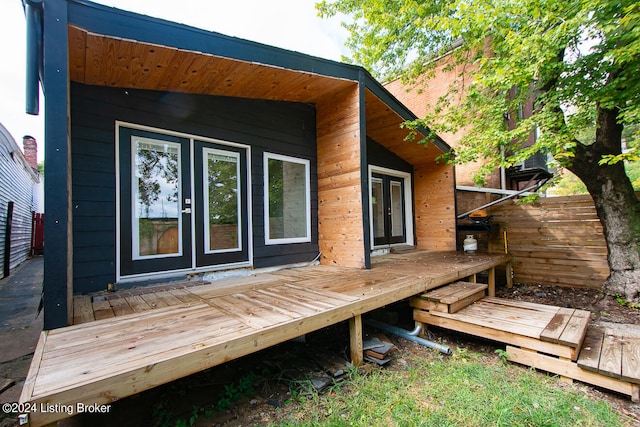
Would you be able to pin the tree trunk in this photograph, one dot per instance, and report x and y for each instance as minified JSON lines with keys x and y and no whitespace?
{"x":616,"y":204}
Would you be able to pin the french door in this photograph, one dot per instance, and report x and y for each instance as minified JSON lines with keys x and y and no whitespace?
{"x":388,"y":209}
{"x":183,"y":203}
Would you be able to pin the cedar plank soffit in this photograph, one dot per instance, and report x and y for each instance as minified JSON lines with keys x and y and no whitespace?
{"x":95,"y":59}
{"x":384,"y":126}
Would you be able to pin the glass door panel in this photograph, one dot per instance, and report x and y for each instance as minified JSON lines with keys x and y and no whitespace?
{"x":222,"y":209}
{"x":156,"y":221}
{"x":396,"y":209}
{"x":378,"y":202}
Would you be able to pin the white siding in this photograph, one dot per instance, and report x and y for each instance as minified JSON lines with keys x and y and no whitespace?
{"x":17,"y":183}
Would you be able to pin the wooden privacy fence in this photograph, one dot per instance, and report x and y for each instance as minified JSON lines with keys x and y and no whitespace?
{"x":557,"y":241}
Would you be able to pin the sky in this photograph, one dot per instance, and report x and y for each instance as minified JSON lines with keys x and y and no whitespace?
{"x":289,"y":24}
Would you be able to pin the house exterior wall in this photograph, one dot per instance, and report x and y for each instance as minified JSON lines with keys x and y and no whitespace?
{"x":17,"y":185}
{"x":283,"y":128}
{"x":340,"y":191}
{"x":378,"y":155}
{"x":435,"y":207}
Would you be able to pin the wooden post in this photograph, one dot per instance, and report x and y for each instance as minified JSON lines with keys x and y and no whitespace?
{"x":355,"y":340}
{"x":492,"y":282}
{"x":508,"y":268}
{"x":473,"y":278}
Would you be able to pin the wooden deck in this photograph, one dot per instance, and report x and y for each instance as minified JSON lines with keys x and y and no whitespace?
{"x":554,"y":339}
{"x":140,"y":340}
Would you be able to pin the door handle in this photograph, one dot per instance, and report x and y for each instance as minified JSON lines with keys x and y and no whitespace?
{"x":186,"y":211}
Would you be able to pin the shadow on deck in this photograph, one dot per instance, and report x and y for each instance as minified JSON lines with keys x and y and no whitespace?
{"x":144,"y":339}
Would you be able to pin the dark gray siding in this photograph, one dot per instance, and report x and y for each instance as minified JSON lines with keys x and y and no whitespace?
{"x":17,"y":183}
{"x":277,"y":127}
{"x":377,"y":155}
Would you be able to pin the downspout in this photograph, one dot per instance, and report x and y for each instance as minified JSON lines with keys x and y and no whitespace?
{"x":33,"y":12}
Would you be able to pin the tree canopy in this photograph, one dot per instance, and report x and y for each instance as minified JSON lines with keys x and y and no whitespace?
{"x":573,"y":56}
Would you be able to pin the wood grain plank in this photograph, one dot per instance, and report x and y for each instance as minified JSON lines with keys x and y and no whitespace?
{"x":141,"y":350}
{"x":631,"y":359}
{"x":589,"y":357}
{"x":120,"y":306}
{"x":102,"y":309}
{"x":522,"y":304}
{"x":185,"y":296}
{"x":250,"y":314}
{"x":82,"y":310}
{"x":463,"y":292}
{"x":576,"y":328}
{"x":554,"y":329}
{"x":467,"y":317}
{"x":26,"y":395}
{"x":138,"y":304}
{"x":611,"y":356}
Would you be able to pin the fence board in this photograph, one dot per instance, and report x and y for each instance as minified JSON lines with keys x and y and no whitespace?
{"x":557,"y":241}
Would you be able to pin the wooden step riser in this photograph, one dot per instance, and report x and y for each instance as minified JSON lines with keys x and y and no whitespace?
{"x":423,"y":304}
{"x":450,"y":298}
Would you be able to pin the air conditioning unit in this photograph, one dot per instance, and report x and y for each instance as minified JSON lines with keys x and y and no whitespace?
{"x":537,"y":161}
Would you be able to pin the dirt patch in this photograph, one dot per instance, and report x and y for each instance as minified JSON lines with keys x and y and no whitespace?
{"x":603,"y":307}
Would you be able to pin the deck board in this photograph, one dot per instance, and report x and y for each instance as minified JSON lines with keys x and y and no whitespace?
{"x":589,"y":358}
{"x":611,"y":353}
{"x":205,"y":325}
{"x":556,"y":325}
{"x":505,"y":319}
{"x":631,"y":358}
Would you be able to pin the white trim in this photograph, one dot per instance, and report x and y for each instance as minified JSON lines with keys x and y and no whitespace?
{"x":117,"y":189}
{"x":170,"y":273}
{"x":408,"y":204}
{"x":194,"y":202}
{"x":307,"y":169}
{"x":205,"y":185}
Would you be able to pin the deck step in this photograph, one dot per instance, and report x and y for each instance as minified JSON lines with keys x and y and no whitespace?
{"x":568,"y":326}
{"x":612,"y":354}
{"x":450,"y":298}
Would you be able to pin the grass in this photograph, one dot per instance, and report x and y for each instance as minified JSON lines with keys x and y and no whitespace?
{"x":466,"y":389}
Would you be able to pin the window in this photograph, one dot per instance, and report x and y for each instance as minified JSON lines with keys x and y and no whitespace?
{"x":287,"y":200}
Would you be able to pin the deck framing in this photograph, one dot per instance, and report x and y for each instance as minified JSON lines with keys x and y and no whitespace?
{"x":174,"y":333}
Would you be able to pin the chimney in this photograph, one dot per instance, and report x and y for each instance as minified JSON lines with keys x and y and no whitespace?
{"x":30,"y":148}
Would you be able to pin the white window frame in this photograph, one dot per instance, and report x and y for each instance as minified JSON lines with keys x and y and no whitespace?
{"x":205,"y":185}
{"x":307,"y":166}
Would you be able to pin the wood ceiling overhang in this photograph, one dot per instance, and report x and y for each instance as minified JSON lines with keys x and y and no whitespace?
{"x":96,"y":59}
{"x":384,"y":126}
{"x":101,"y":60}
